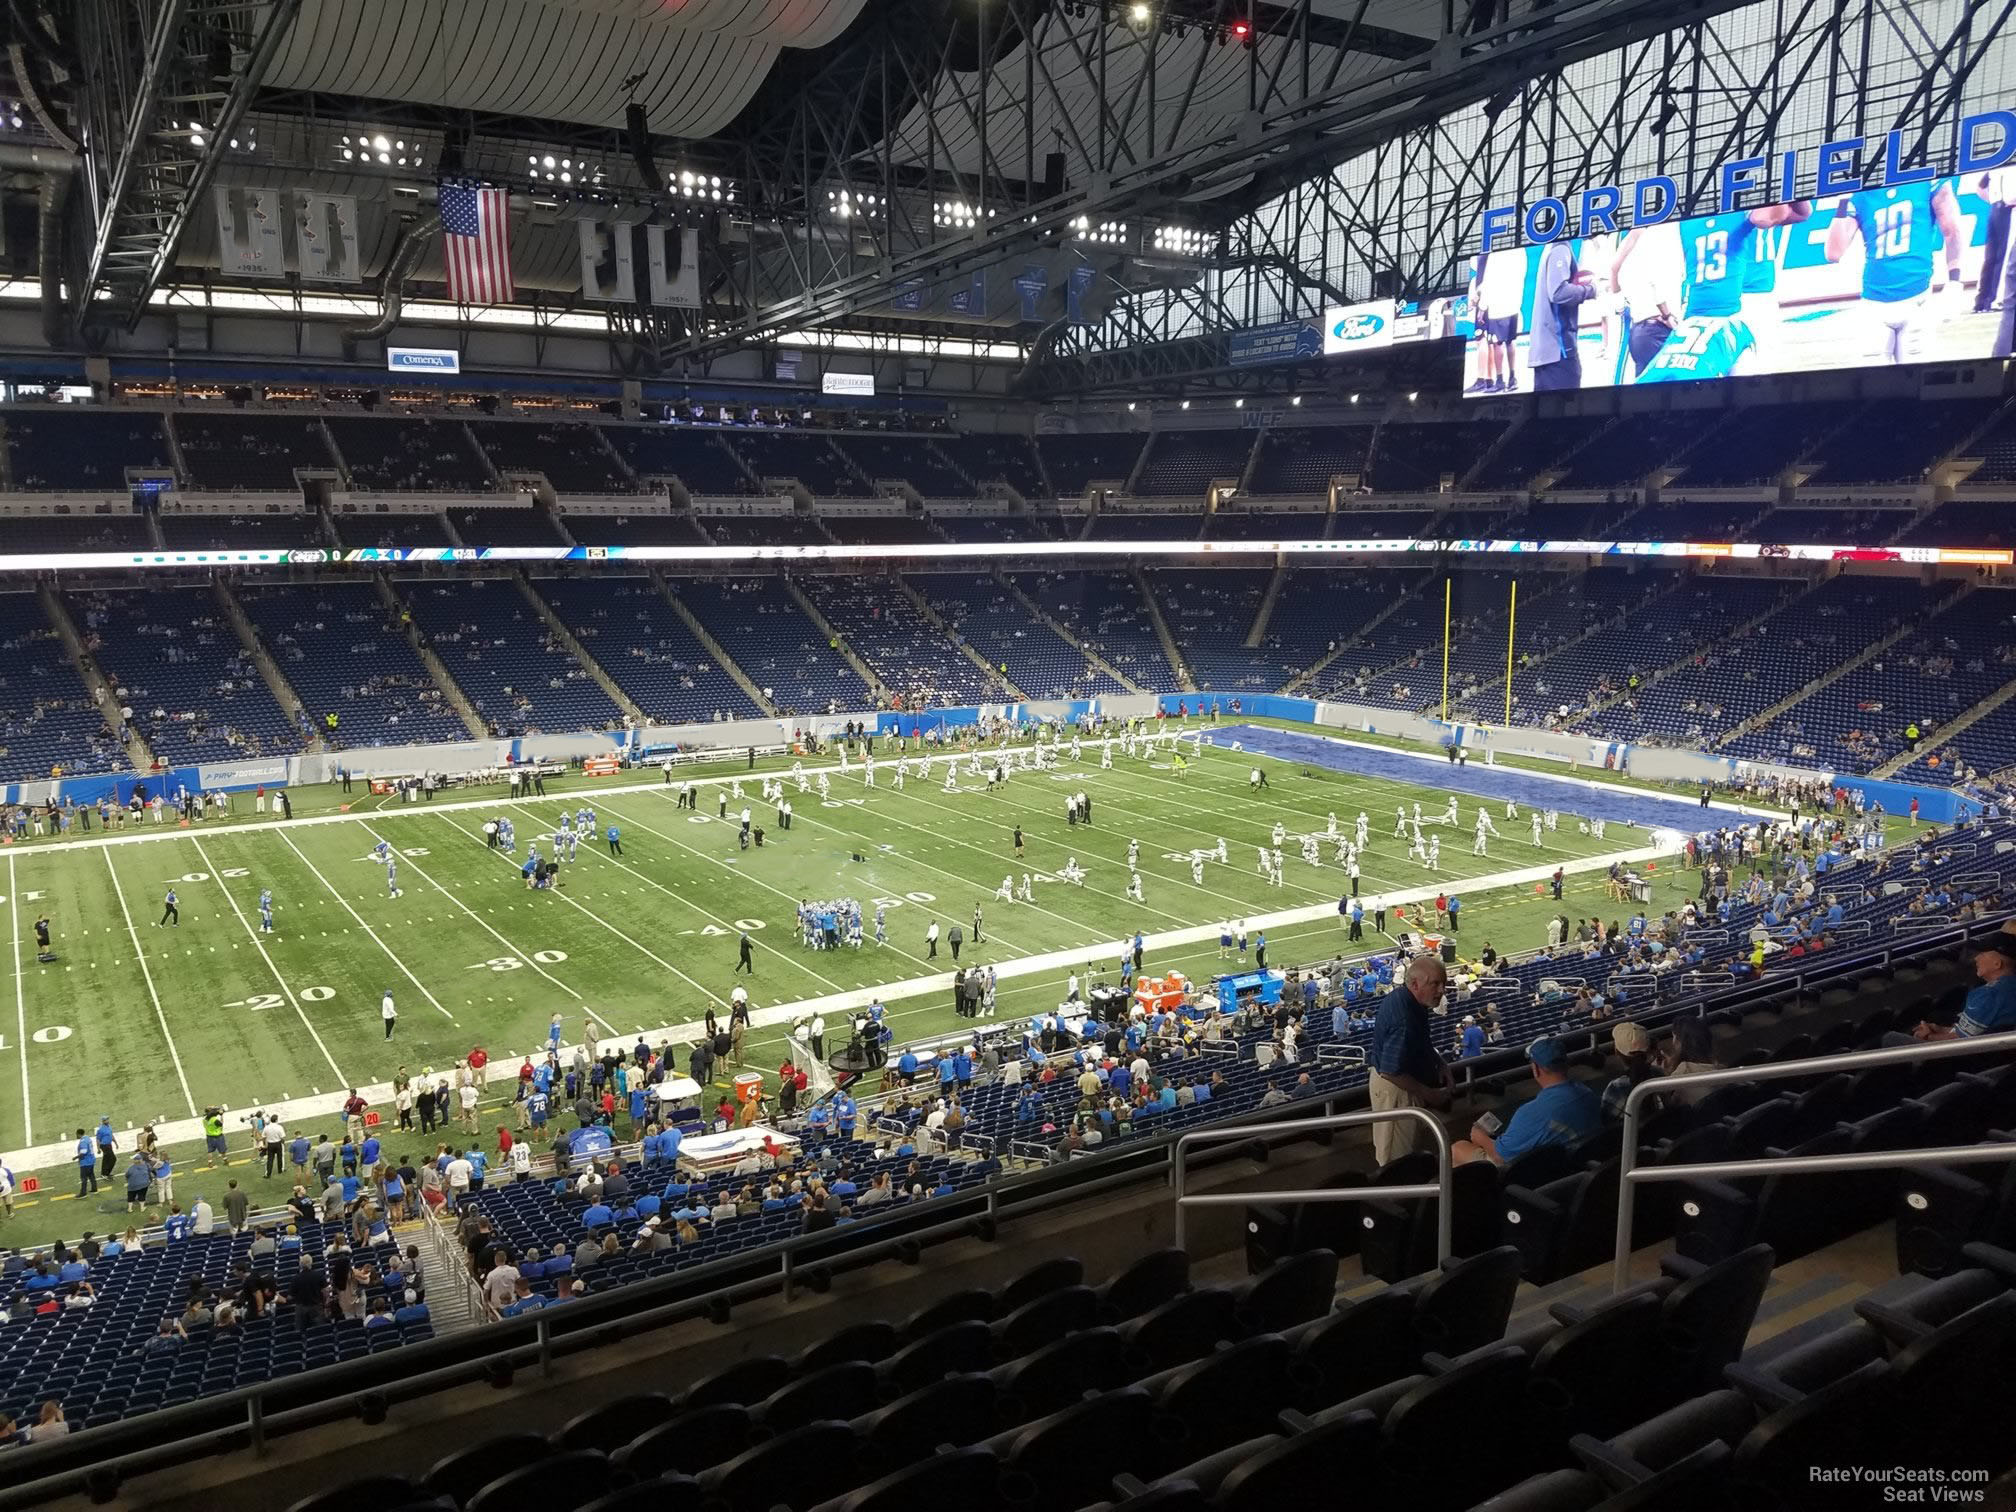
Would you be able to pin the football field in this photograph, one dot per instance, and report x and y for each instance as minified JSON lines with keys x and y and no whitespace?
{"x":145,"y":1021}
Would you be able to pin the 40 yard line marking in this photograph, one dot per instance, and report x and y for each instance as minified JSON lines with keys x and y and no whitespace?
{"x":148,"y":977}
{"x":20,"y":1004}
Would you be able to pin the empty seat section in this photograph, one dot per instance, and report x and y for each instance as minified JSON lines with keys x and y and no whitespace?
{"x":637,"y":637}
{"x":1417,"y":458}
{"x":911,"y":655}
{"x":996,"y":459}
{"x":700,"y":459}
{"x":174,"y":659}
{"x":811,"y":459}
{"x":570,"y":454}
{"x":234,"y":453}
{"x":998,"y":625}
{"x":47,"y":717}
{"x":758,"y":623}
{"x":912,"y":459}
{"x":1184,"y":464}
{"x":527,"y":526}
{"x":503,"y":655}
{"x":398,"y":455}
{"x":344,"y":652}
{"x":1074,"y":463}
{"x":58,"y":450}
{"x":1302,"y":459}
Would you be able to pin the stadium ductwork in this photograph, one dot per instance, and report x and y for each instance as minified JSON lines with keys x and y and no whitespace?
{"x":400,"y":267}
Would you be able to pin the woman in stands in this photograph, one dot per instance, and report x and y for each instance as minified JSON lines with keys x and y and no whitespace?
{"x":1689,"y":1051}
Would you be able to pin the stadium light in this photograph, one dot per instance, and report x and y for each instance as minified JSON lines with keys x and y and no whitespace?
{"x":246,"y":141}
{"x":686,"y":184}
{"x":1186,"y":404}
{"x":1107,"y":233}
{"x":10,"y":114}
{"x":847,"y":205}
{"x":363,"y":148}
{"x":1182,"y":240}
{"x":1242,"y":32}
{"x":1139,"y":16}
{"x":958,"y":215}
{"x":1296,"y":401}
{"x":1238,"y":404}
{"x":564,"y":170}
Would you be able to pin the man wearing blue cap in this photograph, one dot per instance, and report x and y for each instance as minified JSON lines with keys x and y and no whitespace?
{"x":1560,"y":1113}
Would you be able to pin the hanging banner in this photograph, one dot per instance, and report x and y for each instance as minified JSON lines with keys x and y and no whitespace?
{"x":325,"y":238}
{"x":909,"y":295}
{"x":1287,"y":341}
{"x":608,"y":264}
{"x":969,"y":298}
{"x":1032,"y":284}
{"x":1081,"y":283}
{"x":248,"y":231}
{"x":675,"y":265}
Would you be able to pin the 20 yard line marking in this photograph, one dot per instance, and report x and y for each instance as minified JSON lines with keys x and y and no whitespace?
{"x":20,"y":1005}
{"x":259,"y":945}
{"x":148,"y":976}
{"x":367,"y":928}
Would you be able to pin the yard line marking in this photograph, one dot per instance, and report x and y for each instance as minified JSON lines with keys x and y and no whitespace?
{"x":148,"y":976}
{"x":20,"y":1003}
{"x":367,"y":928}
{"x":831,"y":986}
{"x":477,"y":836}
{"x":259,"y":945}
{"x":525,"y":956}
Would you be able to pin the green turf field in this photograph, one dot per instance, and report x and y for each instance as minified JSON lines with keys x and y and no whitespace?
{"x":150,"y":1023}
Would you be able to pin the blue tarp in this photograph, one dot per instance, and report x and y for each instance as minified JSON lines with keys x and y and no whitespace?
{"x":1528,"y":789}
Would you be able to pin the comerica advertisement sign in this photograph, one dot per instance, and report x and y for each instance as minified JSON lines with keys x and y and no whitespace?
{"x":1884,"y":264}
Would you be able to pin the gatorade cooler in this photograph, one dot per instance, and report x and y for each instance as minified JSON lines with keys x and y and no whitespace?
{"x":748,"y":1085}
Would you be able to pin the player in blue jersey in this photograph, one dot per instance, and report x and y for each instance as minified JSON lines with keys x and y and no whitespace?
{"x":392,"y":876}
{"x":1713,"y":340}
{"x":265,"y":910}
{"x":1903,"y":228}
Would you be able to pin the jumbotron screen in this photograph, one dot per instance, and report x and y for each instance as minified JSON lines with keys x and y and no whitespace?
{"x":1848,"y":281}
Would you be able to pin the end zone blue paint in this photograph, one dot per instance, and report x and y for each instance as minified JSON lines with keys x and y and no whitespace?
{"x":1613,"y":805}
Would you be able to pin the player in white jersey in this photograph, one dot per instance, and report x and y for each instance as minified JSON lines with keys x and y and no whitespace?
{"x":1435,"y":853}
{"x":1134,"y":887}
{"x":1333,"y":825}
{"x":1106,"y":755}
{"x":1279,"y":869}
{"x":1265,"y":864}
{"x":1511,"y":809}
{"x":1343,"y":851}
{"x":1596,"y":828}
{"x":1026,"y":893}
{"x":1077,"y":749}
{"x":1450,"y":815}
{"x":1418,"y":849}
{"x":1417,"y":813}
{"x":1006,"y":891}
{"x":1309,"y":850}
{"x":1364,"y":829}
{"x":825,"y":787}
{"x":1222,"y":857}
{"x":1196,"y":869}
{"x":1553,"y":819}
{"x":868,"y":771}
{"x":1536,"y":826}
{"x":1280,"y":833}
{"x":1073,"y":872}
{"x":1399,"y":822}
{"x":1133,"y":854}
{"x":1478,"y":847}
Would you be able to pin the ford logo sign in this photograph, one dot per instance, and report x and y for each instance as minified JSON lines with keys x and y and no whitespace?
{"x":1360,"y":327}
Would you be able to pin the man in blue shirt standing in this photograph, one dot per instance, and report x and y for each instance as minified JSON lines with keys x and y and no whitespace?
{"x":87,"y":1164}
{"x":1560,"y":1113}
{"x":1406,"y":1070}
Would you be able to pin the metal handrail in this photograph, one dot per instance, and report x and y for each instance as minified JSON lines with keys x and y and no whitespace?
{"x":1630,"y":1173}
{"x":1440,"y":1188}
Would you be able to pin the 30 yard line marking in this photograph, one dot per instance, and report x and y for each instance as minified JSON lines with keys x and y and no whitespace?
{"x":259,"y":945}
{"x":525,"y":956}
{"x":367,"y":928}
{"x":20,"y":1003}
{"x":148,"y":977}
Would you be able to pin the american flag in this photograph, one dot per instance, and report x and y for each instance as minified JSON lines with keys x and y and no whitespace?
{"x":476,"y":241}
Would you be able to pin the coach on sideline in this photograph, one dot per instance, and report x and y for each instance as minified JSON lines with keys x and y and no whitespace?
{"x":1406,"y":1071}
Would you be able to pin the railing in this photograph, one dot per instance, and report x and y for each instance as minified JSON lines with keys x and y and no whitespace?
{"x":1439,"y":1188}
{"x":1630,"y":1174}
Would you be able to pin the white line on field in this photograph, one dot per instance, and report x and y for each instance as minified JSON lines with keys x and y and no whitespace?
{"x":148,"y":976}
{"x":20,"y":1005}
{"x":260,"y":946}
{"x":367,"y":928}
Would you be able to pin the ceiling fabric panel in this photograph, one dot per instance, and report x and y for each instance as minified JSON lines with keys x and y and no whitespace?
{"x":562,"y":60}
